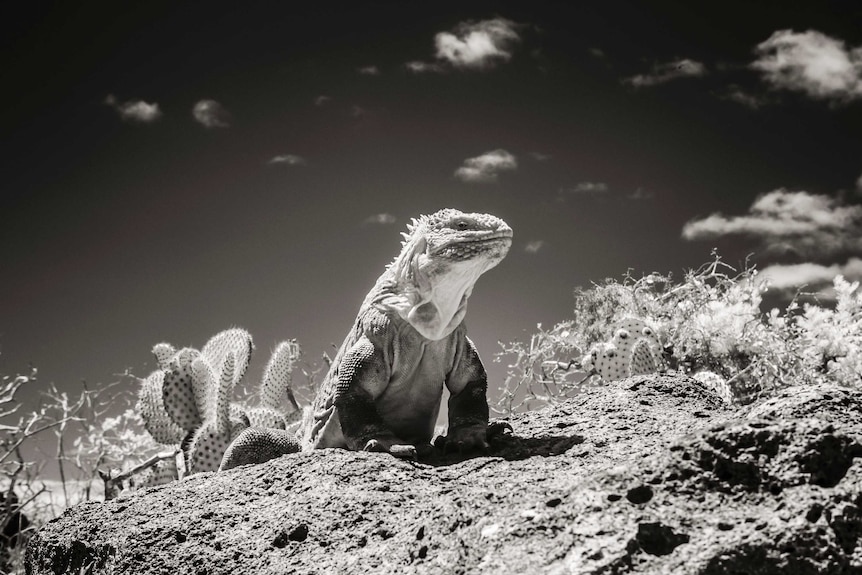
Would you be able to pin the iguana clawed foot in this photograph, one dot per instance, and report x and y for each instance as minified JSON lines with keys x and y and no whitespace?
{"x":472,"y":437}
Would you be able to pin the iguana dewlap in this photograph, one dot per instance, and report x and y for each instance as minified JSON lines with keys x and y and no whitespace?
{"x":385,"y":385}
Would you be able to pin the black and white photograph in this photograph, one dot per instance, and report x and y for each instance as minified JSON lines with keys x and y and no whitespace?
{"x":545,"y":287}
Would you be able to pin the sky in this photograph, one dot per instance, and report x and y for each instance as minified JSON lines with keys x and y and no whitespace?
{"x":174,"y":169}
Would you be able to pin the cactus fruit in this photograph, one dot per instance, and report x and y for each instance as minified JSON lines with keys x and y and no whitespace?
{"x":164,"y":352}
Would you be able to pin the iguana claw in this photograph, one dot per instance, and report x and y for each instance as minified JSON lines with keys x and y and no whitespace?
{"x":400,"y":450}
{"x":403,"y":451}
{"x":497,"y":429}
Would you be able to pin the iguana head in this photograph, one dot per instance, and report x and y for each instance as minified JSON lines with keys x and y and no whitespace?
{"x":442,"y":256}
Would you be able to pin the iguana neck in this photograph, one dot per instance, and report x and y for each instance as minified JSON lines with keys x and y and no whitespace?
{"x":441,"y":259}
{"x":433,"y":311}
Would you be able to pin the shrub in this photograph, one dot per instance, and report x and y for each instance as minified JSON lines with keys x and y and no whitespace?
{"x":711,"y":322}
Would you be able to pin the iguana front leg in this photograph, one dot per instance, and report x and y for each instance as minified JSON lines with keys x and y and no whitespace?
{"x":362,"y":378}
{"x":468,"y":402}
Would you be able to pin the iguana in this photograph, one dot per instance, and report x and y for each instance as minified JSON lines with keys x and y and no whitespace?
{"x":384,"y":387}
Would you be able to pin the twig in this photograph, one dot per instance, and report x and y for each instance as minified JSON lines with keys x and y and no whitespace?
{"x":165,"y":455}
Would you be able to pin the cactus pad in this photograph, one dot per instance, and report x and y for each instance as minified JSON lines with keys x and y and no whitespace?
{"x":266,"y":417}
{"x":609,"y":363}
{"x":225,"y":388}
{"x":716,"y":384}
{"x":203,"y":386}
{"x":152,"y":409}
{"x":209,"y":443}
{"x":161,"y":473}
{"x":237,"y":341}
{"x":257,"y":445}
{"x":634,"y":350}
{"x":277,"y":376}
{"x":642,"y":359}
{"x":178,"y":393}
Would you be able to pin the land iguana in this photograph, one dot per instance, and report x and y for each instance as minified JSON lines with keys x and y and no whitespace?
{"x":384,"y":387}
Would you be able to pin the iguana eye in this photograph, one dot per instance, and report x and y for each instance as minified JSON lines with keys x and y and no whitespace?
{"x":461,"y":225}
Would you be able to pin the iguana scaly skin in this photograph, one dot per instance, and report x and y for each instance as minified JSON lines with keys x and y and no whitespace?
{"x":384,"y":387}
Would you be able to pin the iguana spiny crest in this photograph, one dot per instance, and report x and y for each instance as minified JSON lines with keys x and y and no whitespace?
{"x":442,"y":256}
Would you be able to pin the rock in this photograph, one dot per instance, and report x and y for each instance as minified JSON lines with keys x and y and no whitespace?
{"x":651,"y":474}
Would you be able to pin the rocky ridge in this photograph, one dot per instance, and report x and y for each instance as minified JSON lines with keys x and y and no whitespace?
{"x":651,"y":474}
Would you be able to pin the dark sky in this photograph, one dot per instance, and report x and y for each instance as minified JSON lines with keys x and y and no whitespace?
{"x":609,"y":135}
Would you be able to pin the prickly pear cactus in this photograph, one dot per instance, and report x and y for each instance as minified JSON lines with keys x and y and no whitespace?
{"x":187,"y":400}
{"x":716,"y":384}
{"x":633,"y":350}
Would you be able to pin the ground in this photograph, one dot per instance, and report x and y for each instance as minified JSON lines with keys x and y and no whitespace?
{"x":651,"y":474}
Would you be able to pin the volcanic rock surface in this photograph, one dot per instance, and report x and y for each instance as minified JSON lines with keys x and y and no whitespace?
{"x":652,"y":474}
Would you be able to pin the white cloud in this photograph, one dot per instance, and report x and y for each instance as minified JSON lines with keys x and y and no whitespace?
{"x":477,"y":44}
{"x":540,"y":157}
{"x":211,"y":114}
{"x":812,"y":63}
{"x":419,"y":67}
{"x":790,"y":222}
{"x":641,"y":194}
{"x":661,"y":73}
{"x":534,"y":246}
{"x":322,"y":100}
{"x":793,"y":276}
{"x":736,"y":94}
{"x":859,"y":185}
{"x":582,"y":189}
{"x":288,"y":160}
{"x":589,"y":188}
{"x":485,"y":168}
{"x":380,"y":219}
{"x":369,"y":70}
{"x":135,"y":110}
